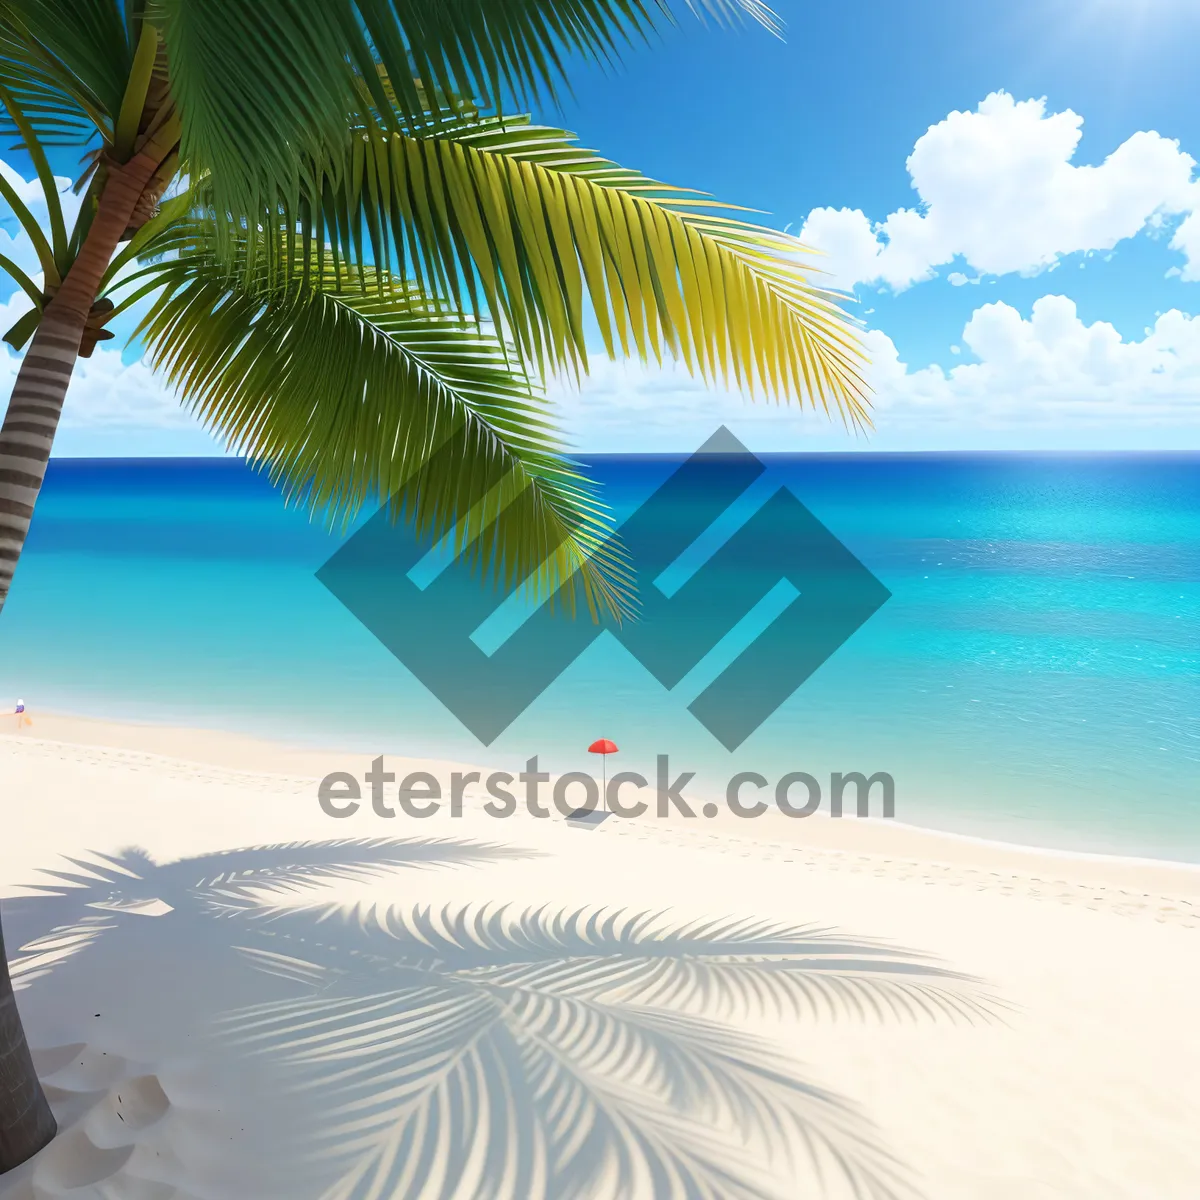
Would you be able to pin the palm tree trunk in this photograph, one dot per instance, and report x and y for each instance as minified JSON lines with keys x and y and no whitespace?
{"x":29,"y":427}
{"x":26,"y":1123}
{"x":35,"y":406}
{"x":34,"y":409}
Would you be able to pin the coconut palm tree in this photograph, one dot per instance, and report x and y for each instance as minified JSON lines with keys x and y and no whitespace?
{"x":352,"y":256}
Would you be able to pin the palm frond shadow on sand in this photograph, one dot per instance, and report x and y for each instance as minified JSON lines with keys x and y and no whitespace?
{"x":479,"y":1051}
{"x":105,"y":894}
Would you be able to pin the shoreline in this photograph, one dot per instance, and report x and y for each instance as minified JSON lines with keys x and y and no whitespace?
{"x":874,"y":837}
{"x":200,"y":954}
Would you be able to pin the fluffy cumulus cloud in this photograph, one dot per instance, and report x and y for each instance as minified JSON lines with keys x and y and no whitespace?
{"x":1035,"y":378}
{"x":999,"y":189}
{"x":107,"y":393}
{"x":1050,"y":368}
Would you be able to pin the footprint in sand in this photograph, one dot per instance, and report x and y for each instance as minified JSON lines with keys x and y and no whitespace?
{"x":105,"y":1106}
{"x":73,"y":1160}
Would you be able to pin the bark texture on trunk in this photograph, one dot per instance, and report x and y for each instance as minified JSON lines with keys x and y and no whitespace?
{"x":34,"y":409}
{"x":28,"y":431}
{"x":26,"y":1122}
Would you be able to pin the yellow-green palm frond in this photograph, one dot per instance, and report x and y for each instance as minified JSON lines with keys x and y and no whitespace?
{"x":359,"y":389}
{"x":516,"y":220}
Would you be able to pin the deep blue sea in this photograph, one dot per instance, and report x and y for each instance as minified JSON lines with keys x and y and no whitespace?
{"x":1035,"y":676}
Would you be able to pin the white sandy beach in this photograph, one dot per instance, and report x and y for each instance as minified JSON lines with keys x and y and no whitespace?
{"x":230,"y":996}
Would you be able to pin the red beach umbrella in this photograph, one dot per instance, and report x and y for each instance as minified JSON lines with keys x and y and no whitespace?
{"x":604,"y":748}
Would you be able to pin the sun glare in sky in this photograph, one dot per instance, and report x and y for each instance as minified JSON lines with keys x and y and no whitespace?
{"x":1146,"y":18}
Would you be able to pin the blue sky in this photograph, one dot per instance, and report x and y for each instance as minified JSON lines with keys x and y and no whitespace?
{"x":828,"y":118}
{"x":1019,"y":302}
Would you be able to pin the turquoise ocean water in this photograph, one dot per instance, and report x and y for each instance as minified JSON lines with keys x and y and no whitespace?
{"x":1035,"y":676}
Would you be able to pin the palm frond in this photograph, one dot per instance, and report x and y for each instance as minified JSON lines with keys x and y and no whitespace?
{"x":41,"y":165}
{"x":502,"y":216}
{"x":352,"y":387}
{"x":66,"y":61}
{"x":37,"y":85}
{"x":22,"y":280}
{"x":254,"y":79}
{"x":42,"y":247}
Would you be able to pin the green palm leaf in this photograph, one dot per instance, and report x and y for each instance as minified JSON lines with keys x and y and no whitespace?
{"x":352,"y":387}
{"x":42,"y":91}
{"x":253,"y":80}
{"x":67,"y":61}
{"x":515,"y":219}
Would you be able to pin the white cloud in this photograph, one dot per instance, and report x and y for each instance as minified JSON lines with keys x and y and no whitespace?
{"x":1047,"y":379}
{"x":29,"y":191}
{"x":1187,"y":240}
{"x":998,"y":187}
{"x":1051,"y":368}
{"x":117,"y":408}
{"x":107,"y":393}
